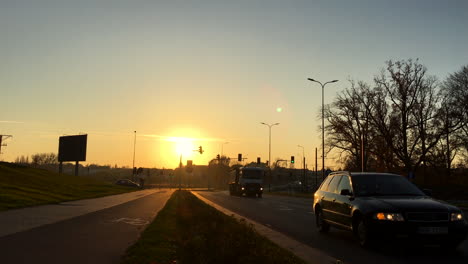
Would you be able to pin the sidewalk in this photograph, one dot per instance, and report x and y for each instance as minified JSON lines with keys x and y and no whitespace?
{"x":18,"y":220}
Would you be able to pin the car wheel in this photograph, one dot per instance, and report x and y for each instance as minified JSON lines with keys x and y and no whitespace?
{"x":322,"y":226}
{"x":363,"y":235}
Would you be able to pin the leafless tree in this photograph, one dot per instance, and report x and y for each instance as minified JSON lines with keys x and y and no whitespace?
{"x":454,"y":117}
{"x":398,"y":120}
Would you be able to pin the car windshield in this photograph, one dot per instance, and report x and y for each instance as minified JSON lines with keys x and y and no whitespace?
{"x":252,"y":174}
{"x":383,"y":184}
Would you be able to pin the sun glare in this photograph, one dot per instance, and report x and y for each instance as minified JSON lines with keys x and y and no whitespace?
{"x":183,"y":146}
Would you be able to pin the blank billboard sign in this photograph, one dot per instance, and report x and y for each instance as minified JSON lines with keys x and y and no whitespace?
{"x":72,"y":148}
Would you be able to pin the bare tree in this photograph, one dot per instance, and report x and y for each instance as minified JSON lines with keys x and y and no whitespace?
{"x":454,"y":116}
{"x":44,"y":159}
{"x":219,"y":171}
{"x":396,"y":122}
{"x":23,"y":160}
{"x":405,"y":116}
{"x":348,"y":125}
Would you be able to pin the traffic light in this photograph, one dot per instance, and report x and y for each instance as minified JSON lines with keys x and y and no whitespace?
{"x":258,"y":160}
{"x":200,"y":149}
{"x":239,"y":157}
{"x":292,"y":159}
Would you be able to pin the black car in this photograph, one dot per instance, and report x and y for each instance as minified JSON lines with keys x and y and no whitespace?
{"x":379,"y":206}
{"x":127,"y":182}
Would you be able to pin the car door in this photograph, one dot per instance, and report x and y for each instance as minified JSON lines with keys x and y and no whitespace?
{"x":330,"y":210}
{"x":323,"y":193}
{"x":343,"y":204}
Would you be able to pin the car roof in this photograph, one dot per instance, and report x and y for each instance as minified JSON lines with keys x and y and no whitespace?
{"x":373,"y":173}
{"x":363,"y":173}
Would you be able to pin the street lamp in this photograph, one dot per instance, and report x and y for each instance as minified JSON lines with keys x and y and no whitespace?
{"x":269,"y":142}
{"x":303,"y":168}
{"x":323,"y":124}
{"x":222,"y":145}
{"x":303,"y":156}
{"x":134,"y":148}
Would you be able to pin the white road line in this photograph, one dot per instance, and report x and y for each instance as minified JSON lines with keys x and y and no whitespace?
{"x":131,"y":221}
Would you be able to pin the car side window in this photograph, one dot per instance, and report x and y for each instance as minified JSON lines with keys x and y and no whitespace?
{"x":325,"y":183}
{"x":344,"y":184}
{"x":334,"y":184}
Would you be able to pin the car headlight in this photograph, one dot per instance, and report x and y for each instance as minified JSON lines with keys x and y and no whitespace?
{"x":456,"y":217}
{"x":389,"y":217}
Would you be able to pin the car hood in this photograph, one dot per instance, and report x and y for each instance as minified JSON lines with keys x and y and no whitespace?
{"x":410,"y":204}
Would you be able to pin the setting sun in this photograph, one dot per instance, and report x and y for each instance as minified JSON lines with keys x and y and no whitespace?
{"x":183,"y":146}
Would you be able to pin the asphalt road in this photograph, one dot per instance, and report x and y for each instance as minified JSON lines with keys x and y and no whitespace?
{"x":294,"y":217}
{"x":98,"y":237}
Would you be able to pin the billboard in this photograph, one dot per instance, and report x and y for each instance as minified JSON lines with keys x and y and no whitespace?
{"x":72,"y":148}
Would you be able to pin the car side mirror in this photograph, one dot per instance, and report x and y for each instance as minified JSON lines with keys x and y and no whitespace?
{"x":427,"y":192}
{"x":345,"y":192}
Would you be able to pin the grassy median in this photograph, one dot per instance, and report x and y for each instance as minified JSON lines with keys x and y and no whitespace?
{"x":188,"y":230}
{"x":22,"y":186}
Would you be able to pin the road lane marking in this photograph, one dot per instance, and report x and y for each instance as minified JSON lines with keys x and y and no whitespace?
{"x":131,"y":221}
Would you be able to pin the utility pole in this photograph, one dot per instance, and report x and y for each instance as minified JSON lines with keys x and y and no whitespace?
{"x":2,"y":139}
{"x":180,"y":172}
{"x":134,"y":148}
{"x":316,"y":182}
{"x":304,"y":179}
{"x":362,"y":153}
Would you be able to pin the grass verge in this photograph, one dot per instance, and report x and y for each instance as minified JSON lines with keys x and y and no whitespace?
{"x":188,"y":230}
{"x":22,"y":186}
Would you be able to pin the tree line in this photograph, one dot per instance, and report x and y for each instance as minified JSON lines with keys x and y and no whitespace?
{"x":405,"y":120}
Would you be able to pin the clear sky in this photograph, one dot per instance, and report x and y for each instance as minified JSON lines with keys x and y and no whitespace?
{"x":210,"y":71}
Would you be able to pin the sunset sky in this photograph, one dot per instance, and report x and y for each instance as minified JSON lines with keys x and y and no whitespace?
{"x":205,"y":71}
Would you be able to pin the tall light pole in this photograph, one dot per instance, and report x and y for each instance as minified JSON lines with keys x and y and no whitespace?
{"x":269,"y":142}
{"x":222,"y":145}
{"x":323,"y":124}
{"x":303,"y":156}
{"x":134,"y":148}
{"x":303,"y":169}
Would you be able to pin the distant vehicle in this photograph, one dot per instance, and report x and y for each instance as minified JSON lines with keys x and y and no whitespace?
{"x":127,"y":182}
{"x":378,"y":206}
{"x":248,"y":181}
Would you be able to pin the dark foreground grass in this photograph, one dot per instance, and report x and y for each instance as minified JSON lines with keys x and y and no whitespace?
{"x":188,"y":230}
{"x":22,"y":186}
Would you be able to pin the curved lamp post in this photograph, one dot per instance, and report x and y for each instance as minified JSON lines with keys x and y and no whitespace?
{"x":323,"y":124}
{"x":269,"y":142}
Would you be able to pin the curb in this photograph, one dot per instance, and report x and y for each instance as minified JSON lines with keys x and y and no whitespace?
{"x":307,"y":253}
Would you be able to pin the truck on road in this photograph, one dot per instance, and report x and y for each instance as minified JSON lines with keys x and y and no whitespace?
{"x":248,"y":181}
